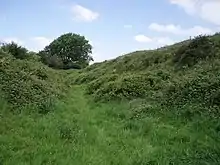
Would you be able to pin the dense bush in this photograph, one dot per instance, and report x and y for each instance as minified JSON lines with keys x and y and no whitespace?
{"x":25,"y":82}
{"x":52,"y":61}
{"x":87,"y":77}
{"x":73,"y":65}
{"x":57,"y":63}
{"x":200,"y":48}
{"x":99,"y":82}
{"x":15,"y":50}
{"x":203,"y":88}
{"x":124,"y":86}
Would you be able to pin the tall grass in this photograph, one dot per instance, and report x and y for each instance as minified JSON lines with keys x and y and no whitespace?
{"x":80,"y":131}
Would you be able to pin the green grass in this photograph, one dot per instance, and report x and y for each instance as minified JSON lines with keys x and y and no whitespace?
{"x":144,"y":108}
{"x":80,"y":131}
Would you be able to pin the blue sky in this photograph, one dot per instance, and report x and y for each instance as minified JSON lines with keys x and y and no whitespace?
{"x":113,"y":27}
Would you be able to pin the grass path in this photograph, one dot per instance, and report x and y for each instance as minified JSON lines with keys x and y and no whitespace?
{"x":82,"y":132}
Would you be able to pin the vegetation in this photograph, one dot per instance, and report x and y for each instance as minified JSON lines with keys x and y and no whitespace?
{"x":68,"y":51}
{"x":156,"y":107}
{"x":28,"y":82}
{"x":163,"y":75}
{"x":202,"y":47}
{"x":15,"y":50}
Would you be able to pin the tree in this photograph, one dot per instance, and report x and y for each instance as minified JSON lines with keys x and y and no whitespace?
{"x":14,"y":49}
{"x":72,"y":49}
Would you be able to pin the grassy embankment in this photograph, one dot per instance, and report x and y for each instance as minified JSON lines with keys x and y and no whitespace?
{"x":145,"y":108}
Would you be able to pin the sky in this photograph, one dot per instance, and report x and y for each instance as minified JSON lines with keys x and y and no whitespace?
{"x":112,"y":27}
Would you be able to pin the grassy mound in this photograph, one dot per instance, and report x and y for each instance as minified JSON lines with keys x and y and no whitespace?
{"x":29,"y":82}
{"x":176,"y":75}
{"x":158,"y":107}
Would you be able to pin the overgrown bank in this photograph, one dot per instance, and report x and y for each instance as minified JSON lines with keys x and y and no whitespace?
{"x":27,"y":82}
{"x":175,"y":76}
{"x":156,"y":107}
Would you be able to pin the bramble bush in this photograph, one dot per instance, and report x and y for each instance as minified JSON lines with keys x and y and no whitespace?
{"x":203,"y":88}
{"x":123,"y":86}
{"x":25,"y":82}
{"x":97,"y":83}
{"x":200,"y":48}
{"x":15,"y":50}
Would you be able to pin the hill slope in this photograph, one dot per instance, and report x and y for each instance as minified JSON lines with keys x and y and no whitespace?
{"x":147,"y":108}
{"x":187,"y":72}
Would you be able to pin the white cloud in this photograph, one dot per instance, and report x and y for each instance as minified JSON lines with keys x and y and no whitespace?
{"x":164,"y":28}
{"x":187,"y":5}
{"x":81,"y":13}
{"x":128,"y":26}
{"x":159,"y":41}
{"x":142,"y":38}
{"x":43,"y":41}
{"x":211,"y":12}
{"x":178,"y":30}
{"x":205,"y":9}
{"x":39,"y":43}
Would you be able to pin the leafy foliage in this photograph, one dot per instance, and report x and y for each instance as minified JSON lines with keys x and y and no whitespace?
{"x":28,"y":82}
{"x":153,"y":75}
{"x":203,"y":88}
{"x":81,"y":132}
{"x":200,"y":48}
{"x":52,"y":61}
{"x":175,"y":114}
{"x":15,"y":50}
{"x":68,"y":51}
{"x":127,"y":86}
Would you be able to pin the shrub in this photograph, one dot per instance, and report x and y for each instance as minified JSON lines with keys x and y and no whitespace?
{"x":26,"y":83}
{"x":87,"y":77}
{"x":97,"y":83}
{"x":200,"y":48}
{"x":17,"y":51}
{"x":72,"y":65}
{"x":203,"y":89}
{"x":126,"y":87}
{"x":33,"y":56}
{"x":52,"y":61}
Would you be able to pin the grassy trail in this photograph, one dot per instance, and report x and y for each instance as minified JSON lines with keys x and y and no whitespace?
{"x":82,"y":132}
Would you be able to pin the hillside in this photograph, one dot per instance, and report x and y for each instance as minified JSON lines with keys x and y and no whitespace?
{"x":157,"y":107}
{"x":176,"y":73}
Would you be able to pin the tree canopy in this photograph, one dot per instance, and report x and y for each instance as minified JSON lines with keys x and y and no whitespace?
{"x":15,"y":50}
{"x":68,"y":51}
